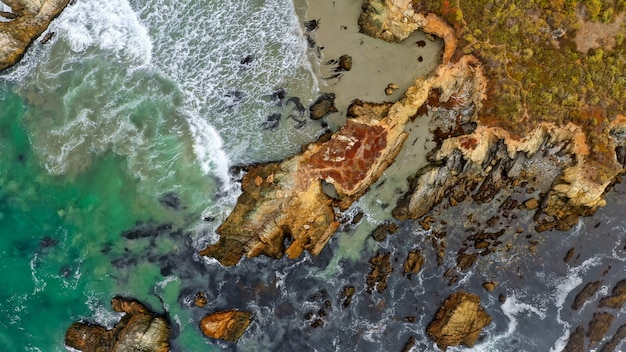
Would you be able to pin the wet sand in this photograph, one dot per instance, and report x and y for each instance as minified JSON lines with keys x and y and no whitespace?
{"x":376,"y":64}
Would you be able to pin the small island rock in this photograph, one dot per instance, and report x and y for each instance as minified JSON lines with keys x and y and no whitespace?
{"x":227,"y":325}
{"x":460,"y":320}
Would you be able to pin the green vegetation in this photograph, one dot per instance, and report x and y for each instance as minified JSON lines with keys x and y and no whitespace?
{"x":534,"y":68}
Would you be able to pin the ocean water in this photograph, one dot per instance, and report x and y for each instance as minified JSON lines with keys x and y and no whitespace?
{"x":116,"y":141}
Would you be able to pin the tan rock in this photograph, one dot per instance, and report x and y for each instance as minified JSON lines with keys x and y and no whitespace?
{"x":490,"y":286}
{"x":138,"y":330}
{"x":617,"y":297}
{"x":200,"y":300}
{"x":227,"y":325}
{"x":460,"y":320}
{"x":413,"y":262}
{"x":31,"y":18}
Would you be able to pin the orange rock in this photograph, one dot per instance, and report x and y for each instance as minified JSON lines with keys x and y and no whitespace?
{"x":227,"y":325}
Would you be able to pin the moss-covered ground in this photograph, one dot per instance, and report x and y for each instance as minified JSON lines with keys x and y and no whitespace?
{"x":536,"y":70}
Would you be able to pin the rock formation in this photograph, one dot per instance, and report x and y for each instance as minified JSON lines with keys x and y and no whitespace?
{"x":618,"y":297}
{"x":138,"y":330}
{"x":227,"y":325}
{"x":29,"y":19}
{"x":570,"y":159}
{"x":460,"y":320}
{"x":284,"y":205}
{"x":579,"y":177}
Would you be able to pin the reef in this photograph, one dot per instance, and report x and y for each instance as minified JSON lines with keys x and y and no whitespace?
{"x":26,"y":21}
{"x":460,"y":320}
{"x":227,"y":325}
{"x":138,"y":330}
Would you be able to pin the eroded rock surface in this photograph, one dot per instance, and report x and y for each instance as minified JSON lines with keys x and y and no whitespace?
{"x":28,"y":19}
{"x":459,"y":321}
{"x":227,"y":325}
{"x":138,"y":330}
{"x":617,"y":297}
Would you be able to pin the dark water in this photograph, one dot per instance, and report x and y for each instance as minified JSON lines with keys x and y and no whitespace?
{"x":115,"y":142}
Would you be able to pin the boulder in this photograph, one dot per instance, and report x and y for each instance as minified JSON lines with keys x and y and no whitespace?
{"x":460,"y":320}
{"x":227,"y":325}
{"x":138,"y":330}
{"x":324,"y":105}
{"x":345,"y":63}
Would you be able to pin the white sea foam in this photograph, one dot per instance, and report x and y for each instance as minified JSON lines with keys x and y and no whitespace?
{"x":111,"y":26}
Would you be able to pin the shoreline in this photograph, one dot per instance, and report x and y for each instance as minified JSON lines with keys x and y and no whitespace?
{"x":376,"y":63}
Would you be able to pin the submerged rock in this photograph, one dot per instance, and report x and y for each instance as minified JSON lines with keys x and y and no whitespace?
{"x":28,"y":19}
{"x":138,"y":330}
{"x":272,"y":121}
{"x":170,"y":200}
{"x":227,"y":325}
{"x":460,"y":320}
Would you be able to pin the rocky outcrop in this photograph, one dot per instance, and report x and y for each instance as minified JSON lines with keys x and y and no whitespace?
{"x":379,"y":273}
{"x":30,"y":19}
{"x":138,"y":330}
{"x":617,"y":298}
{"x":489,"y":153}
{"x":585,"y":294}
{"x":460,"y":320}
{"x":283,"y":208}
{"x":227,"y":325}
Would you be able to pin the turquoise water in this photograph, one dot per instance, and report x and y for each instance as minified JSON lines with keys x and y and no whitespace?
{"x":128,"y":104}
{"x":134,"y":101}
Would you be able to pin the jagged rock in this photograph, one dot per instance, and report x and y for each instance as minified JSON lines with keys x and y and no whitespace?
{"x":380,"y":233}
{"x":460,"y":320}
{"x":28,"y":20}
{"x":381,"y":268}
{"x":227,"y":325}
{"x":617,"y":298}
{"x":347,"y":293}
{"x":587,"y":292}
{"x":170,"y":200}
{"x":413,"y":262}
{"x":598,"y":327}
{"x":576,"y":342}
{"x":138,"y":330}
{"x":324,"y":105}
{"x":200,"y":300}
{"x":611,"y":345}
{"x":292,"y":213}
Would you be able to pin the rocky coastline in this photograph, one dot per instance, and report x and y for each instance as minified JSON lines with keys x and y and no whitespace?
{"x":26,"y":21}
{"x":555,"y":169}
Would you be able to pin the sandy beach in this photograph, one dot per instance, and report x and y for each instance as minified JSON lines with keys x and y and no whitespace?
{"x":376,"y":64}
